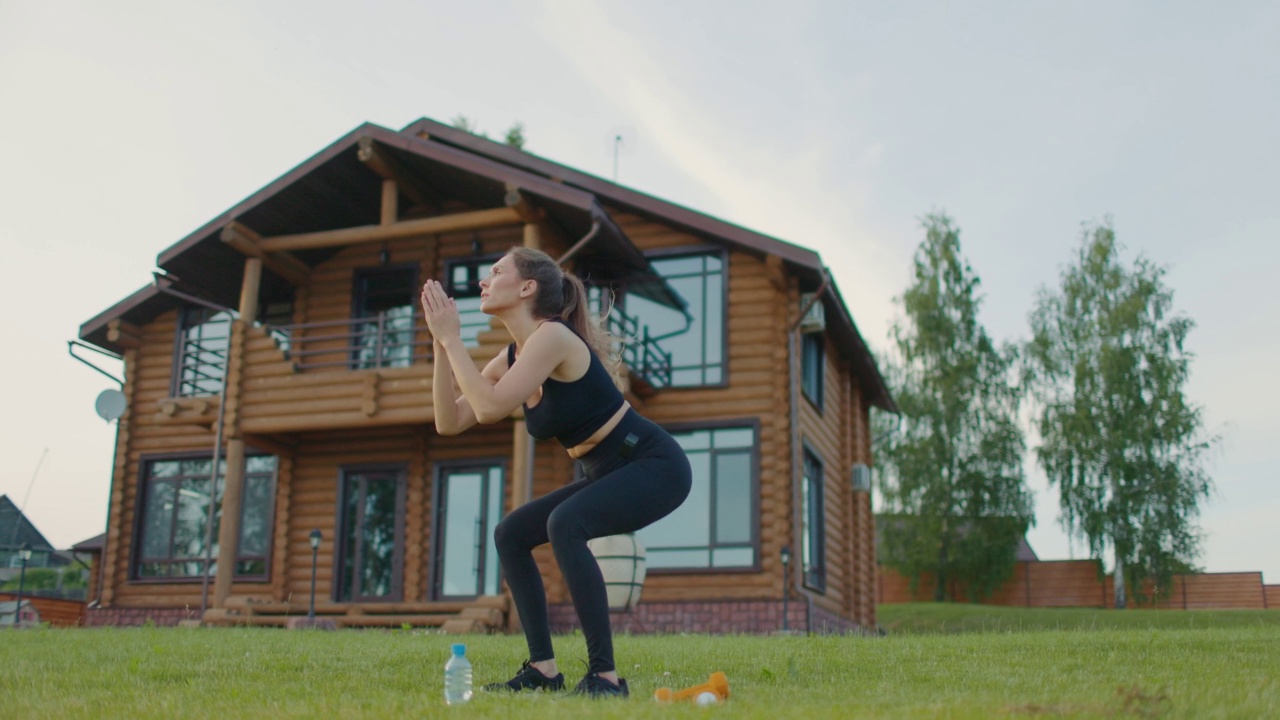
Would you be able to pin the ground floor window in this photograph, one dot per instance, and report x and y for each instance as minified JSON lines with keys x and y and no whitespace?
{"x":371,"y":534}
{"x":173,"y":530}
{"x":468,"y":506}
{"x":716,"y":527}
{"x":813,"y":554}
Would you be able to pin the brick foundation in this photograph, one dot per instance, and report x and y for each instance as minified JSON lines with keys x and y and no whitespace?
{"x":134,"y":617}
{"x":727,"y":617}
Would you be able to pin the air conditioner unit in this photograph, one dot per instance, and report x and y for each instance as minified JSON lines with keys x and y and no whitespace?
{"x":815,"y":319}
{"x":860,"y":478}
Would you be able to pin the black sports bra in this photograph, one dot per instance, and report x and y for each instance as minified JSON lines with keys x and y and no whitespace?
{"x":571,"y":411}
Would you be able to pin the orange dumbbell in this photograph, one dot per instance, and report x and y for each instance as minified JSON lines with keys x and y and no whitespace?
{"x":717,"y":685}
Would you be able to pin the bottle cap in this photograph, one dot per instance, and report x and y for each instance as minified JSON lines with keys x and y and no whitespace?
{"x":459,"y":649}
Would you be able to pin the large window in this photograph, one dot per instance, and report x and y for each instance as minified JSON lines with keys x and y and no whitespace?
{"x":464,"y":278}
{"x":204,"y":336}
{"x":468,"y":506}
{"x":384,"y":301}
{"x":813,"y":366}
{"x":813,"y":554}
{"x":174,"y":518}
{"x":696,"y":342}
{"x":716,"y":525}
{"x":371,"y":534}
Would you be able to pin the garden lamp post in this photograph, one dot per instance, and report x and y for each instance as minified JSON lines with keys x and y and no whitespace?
{"x":24,"y":553}
{"x":315,"y":547}
{"x":786,"y":583}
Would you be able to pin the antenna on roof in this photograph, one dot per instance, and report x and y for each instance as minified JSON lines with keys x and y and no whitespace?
{"x":617,"y":143}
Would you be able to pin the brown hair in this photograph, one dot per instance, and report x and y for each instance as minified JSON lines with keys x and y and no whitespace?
{"x":562,"y":295}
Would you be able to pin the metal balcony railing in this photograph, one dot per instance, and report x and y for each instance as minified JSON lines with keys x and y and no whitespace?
{"x":388,"y":339}
{"x":643,"y":355}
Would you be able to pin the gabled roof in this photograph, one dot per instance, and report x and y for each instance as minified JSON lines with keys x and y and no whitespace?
{"x":16,"y":529}
{"x":334,"y":189}
{"x":806,"y":263}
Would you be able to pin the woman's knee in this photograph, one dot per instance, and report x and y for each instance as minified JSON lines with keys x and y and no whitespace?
{"x":564,"y":528}
{"x":506,"y":536}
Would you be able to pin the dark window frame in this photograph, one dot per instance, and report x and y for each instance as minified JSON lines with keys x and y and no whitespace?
{"x":481,"y":263}
{"x":813,"y":379}
{"x":358,"y":298}
{"x":437,"y":501}
{"x":141,"y":489}
{"x":754,"y":424}
{"x":814,"y":479}
{"x":692,"y":250}
{"x":340,"y":532}
{"x":179,"y":365}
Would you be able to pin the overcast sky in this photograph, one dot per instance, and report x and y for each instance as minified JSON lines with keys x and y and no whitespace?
{"x":834,"y":125}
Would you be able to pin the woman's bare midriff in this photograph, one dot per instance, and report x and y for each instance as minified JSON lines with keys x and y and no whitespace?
{"x":586,"y":446}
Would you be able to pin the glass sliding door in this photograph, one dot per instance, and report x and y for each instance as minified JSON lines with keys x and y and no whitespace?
{"x":468,"y":506}
{"x":371,"y":525}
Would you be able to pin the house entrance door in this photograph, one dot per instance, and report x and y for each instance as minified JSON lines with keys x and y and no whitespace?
{"x":371,"y":522}
{"x":468,"y":506}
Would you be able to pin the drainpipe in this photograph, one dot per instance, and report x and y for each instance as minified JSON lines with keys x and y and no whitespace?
{"x":164,"y":287}
{"x":797,"y":521}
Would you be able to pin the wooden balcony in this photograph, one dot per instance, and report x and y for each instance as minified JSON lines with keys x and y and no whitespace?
{"x":368,"y":372}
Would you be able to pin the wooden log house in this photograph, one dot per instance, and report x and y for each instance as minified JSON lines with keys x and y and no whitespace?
{"x":283,"y":339}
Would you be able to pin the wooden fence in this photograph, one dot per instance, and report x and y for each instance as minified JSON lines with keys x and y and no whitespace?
{"x":1075,"y":583}
{"x":55,"y":611}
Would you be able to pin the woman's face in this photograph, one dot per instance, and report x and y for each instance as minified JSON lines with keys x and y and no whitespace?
{"x":504,"y":287}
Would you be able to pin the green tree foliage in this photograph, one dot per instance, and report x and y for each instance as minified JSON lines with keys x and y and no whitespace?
{"x":514,"y":136}
{"x":952,"y":479}
{"x":1107,"y":366}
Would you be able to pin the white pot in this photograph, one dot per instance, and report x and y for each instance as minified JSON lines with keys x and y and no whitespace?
{"x":622,"y":562}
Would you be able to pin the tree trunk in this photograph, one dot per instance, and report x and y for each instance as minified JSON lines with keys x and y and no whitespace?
{"x":940,"y":586}
{"x":1121,"y":599}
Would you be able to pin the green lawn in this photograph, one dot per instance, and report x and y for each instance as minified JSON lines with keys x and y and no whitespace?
{"x":1211,"y":668}
{"x":931,"y":618}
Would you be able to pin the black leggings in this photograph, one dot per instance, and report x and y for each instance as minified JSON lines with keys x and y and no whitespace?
{"x":637,"y":475}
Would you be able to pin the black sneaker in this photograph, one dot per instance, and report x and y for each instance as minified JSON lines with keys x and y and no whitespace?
{"x":594,"y":686}
{"x":529,"y":678}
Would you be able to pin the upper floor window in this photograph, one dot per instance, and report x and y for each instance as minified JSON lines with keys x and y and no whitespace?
{"x":696,"y":342}
{"x":173,"y":524}
{"x":813,"y":367}
{"x":716,"y":525}
{"x":204,"y":337}
{"x":383,"y":302}
{"x":813,"y":555}
{"x":464,"y":276}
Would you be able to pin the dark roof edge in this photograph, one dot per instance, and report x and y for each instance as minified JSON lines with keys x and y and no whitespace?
{"x":881,"y":397}
{"x":265,"y":192}
{"x":648,"y":204}
{"x":100,"y":320}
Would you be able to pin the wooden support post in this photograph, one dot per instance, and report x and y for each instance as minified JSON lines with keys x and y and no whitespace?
{"x":249,"y":290}
{"x":475,"y":220}
{"x":229,"y":526}
{"x":245,"y":241}
{"x":390,"y":198}
{"x":533,"y":236}
{"x":388,"y":168}
{"x":521,"y":465}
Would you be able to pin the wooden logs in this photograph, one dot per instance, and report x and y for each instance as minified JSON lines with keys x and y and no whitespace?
{"x":475,"y":220}
{"x":245,"y":241}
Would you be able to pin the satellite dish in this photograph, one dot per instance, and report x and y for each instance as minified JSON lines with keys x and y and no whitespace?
{"x":110,"y":404}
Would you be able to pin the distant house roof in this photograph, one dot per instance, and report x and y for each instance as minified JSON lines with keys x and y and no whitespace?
{"x":93,"y":544}
{"x":16,"y":530}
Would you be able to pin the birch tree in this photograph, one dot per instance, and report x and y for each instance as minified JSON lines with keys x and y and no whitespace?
{"x":1126,"y":450}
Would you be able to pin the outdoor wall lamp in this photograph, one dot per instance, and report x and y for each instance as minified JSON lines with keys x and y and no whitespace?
{"x":24,"y":553}
{"x":315,"y":547}
{"x":786,"y":584}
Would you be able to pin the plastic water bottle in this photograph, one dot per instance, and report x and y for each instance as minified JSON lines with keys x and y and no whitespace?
{"x":457,"y":677}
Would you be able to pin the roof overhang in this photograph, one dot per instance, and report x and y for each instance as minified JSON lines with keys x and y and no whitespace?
{"x":805,"y":262}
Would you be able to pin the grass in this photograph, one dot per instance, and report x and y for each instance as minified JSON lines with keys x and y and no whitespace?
{"x":1215,"y":667}
{"x":935,"y":618}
